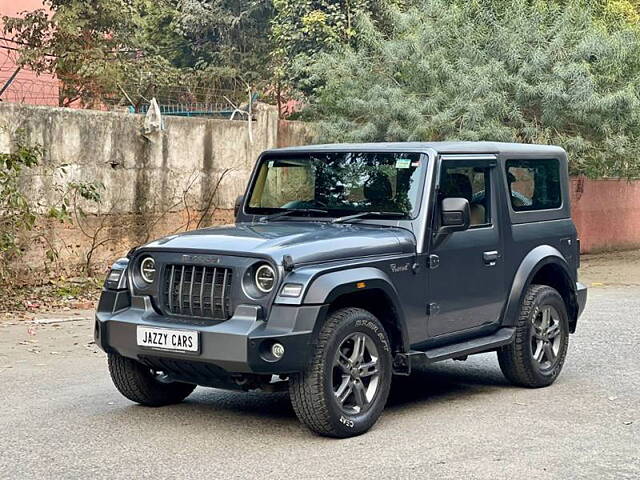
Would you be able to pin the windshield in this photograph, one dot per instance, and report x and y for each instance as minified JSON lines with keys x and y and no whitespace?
{"x":340,"y":183}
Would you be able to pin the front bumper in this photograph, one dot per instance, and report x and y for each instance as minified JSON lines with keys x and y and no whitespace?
{"x":237,"y":345}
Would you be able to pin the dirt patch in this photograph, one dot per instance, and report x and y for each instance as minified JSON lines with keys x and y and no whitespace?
{"x":27,"y":303}
{"x":612,"y":268}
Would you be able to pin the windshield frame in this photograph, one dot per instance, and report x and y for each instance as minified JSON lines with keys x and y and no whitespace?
{"x":425,"y":160}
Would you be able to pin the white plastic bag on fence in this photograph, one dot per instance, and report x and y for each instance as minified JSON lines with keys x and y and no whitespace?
{"x":153,"y":122}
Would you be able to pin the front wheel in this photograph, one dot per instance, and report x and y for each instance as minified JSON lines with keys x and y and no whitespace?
{"x":537,"y":355}
{"x":345,"y":387}
{"x":142,"y":385}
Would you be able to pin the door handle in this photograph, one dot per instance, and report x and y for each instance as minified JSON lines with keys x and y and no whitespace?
{"x":490,"y":258}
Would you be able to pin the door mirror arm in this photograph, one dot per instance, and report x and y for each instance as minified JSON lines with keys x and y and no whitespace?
{"x":238,"y":205}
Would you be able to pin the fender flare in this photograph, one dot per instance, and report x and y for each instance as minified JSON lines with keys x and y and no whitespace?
{"x":531,"y":264}
{"x":329,"y":286}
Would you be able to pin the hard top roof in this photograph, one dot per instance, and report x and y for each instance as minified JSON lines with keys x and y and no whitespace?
{"x":440,"y":147}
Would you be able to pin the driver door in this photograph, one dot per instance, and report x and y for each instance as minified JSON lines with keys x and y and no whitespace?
{"x":466,"y":285}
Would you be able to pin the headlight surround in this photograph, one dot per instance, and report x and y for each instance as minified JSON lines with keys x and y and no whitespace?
{"x":259,"y":280}
{"x":265,"y":278}
{"x":148,"y":270}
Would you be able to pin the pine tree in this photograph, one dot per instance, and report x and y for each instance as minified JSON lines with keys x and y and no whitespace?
{"x":503,"y":70}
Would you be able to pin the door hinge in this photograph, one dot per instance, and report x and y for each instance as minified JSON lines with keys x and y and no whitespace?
{"x":433,"y":309}
{"x":434,"y":261}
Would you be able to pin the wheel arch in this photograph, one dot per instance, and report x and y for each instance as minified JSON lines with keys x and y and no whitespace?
{"x":367,"y":288}
{"x":544,"y":265}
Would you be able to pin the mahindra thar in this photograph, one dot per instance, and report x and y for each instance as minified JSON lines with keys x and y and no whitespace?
{"x":348,"y":264}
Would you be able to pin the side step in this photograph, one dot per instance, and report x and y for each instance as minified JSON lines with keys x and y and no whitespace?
{"x":502,"y":337}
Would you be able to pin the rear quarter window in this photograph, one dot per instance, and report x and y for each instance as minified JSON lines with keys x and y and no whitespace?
{"x":534,"y":184}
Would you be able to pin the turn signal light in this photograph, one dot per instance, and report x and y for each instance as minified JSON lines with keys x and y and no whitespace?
{"x":291,"y":290}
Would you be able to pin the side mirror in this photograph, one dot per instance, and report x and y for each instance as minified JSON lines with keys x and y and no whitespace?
{"x":238,"y":204}
{"x":455,"y":215}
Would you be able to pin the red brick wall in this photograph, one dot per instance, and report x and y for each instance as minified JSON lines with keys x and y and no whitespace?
{"x":606,"y":213}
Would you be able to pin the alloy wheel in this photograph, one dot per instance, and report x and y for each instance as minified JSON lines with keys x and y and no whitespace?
{"x":546,"y":337}
{"x":356,"y":373}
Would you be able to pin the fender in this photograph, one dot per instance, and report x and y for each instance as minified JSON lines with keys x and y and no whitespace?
{"x":326,"y":288}
{"x":530,"y":265}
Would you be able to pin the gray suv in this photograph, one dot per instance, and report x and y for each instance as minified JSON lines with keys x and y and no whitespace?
{"x":347,"y":265}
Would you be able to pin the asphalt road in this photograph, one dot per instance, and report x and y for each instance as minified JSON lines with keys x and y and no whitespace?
{"x":60,"y":417}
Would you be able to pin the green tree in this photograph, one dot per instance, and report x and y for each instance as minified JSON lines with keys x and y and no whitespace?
{"x":302,"y":29}
{"x":94,"y":47}
{"x":616,"y":12}
{"x":230,"y":37}
{"x":506,"y":70}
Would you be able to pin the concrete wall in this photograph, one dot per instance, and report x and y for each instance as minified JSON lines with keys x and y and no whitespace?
{"x":606,"y":213}
{"x":143,"y":173}
{"x":154,"y":184}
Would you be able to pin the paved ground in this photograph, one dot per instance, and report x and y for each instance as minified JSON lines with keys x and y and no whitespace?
{"x":60,"y":417}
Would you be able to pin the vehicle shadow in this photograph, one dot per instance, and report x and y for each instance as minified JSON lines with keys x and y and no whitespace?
{"x":430,"y":384}
{"x":274,"y":406}
{"x":426,"y":387}
{"x":433,"y":384}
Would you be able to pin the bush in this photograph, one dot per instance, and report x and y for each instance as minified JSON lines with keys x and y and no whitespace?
{"x":16,"y":213}
{"x":19,"y":214}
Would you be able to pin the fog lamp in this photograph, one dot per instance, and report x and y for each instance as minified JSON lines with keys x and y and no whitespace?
{"x":277,"y":350}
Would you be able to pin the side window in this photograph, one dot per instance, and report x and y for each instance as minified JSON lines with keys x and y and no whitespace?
{"x":534,"y":184}
{"x":472,"y":183}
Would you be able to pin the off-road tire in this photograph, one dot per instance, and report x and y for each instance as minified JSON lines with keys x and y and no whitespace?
{"x":139,"y":384}
{"x":516,"y":359}
{"x":311,"y":391}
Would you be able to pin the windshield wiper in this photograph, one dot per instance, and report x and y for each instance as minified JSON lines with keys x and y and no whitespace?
{"x":355,"y":216}
{"x":275,"y":216}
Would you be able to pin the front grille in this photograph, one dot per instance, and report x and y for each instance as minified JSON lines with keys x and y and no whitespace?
{"x":196,"y":291}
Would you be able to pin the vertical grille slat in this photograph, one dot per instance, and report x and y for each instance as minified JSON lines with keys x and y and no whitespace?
{"x":193,"y":275}
{"x":197,"y":291}
{"x":224,"y":289}
{"x":213,"y":291}
{"x":202,"y":280}
{"x":171,"y":277}
{"x":180,"y":291}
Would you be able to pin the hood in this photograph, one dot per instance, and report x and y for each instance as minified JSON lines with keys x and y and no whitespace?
{"x":306,"y":242}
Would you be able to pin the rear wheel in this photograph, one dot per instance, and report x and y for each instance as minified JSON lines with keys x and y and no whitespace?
{"x":345,"y":387}
{"x":537,"y":355}
{"x":142,"y":385}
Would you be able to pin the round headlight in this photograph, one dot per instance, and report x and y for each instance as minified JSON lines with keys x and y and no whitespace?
{"x":265,"y":278}
{"x":148,"y":269}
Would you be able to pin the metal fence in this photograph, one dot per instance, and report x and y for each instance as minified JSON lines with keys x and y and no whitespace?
{"x":176,"y":100}
{"x":189,"y":101}
{"x":20,"y":85}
